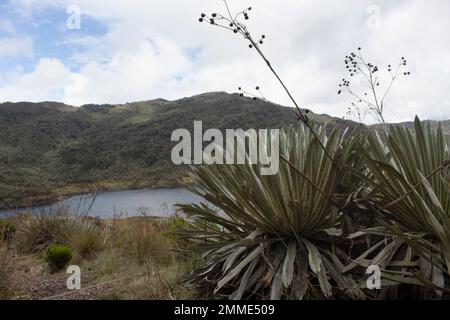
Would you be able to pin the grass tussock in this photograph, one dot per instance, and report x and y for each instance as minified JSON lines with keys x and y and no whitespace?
{"x":86,"y":236}
{"x":140,"y":238}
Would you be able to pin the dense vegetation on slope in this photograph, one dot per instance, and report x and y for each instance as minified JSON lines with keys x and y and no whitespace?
{"x":49,"y":149}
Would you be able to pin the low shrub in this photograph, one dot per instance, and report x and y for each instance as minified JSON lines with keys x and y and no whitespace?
{"x":58,"y":256}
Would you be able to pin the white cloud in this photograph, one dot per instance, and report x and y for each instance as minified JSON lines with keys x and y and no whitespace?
{"x":13,"y":47}
{"x":144,"y":53}
{"x":128,"y":76}
{"x":45,"y":82}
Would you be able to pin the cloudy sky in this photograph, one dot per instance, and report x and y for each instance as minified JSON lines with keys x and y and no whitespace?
{"x":133,"y":50}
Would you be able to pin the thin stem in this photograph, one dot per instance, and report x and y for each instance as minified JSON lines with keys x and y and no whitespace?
{"x":302,"y":117}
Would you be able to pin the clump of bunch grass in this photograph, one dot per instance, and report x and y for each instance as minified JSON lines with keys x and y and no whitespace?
{"x":140,"y":238}
{"x":36,"y":232}
{"x":85,"y":235}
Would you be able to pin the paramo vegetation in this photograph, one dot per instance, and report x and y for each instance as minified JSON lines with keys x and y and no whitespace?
{"x":312,"y":230}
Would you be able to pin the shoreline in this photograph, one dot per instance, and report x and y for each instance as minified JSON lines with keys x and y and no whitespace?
{"x":75,"y":190}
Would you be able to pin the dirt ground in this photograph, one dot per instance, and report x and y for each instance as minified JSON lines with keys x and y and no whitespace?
{"x":31,"y":279}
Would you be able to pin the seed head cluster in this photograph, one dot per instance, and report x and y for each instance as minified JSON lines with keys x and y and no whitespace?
{"x":234,"y":24}
{"x":356,"y":65}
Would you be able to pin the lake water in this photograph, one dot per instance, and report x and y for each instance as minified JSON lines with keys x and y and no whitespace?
{"x":154,"y":202}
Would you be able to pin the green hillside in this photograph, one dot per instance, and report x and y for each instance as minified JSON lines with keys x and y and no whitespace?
{"x":51,"y":149}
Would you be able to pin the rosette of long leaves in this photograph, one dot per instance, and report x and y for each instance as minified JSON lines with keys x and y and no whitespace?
{"x":271,"y":236}
{"x":409,"y":182}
